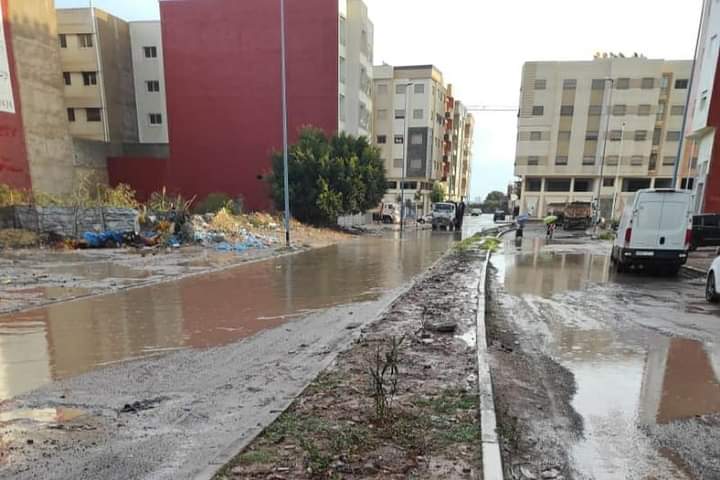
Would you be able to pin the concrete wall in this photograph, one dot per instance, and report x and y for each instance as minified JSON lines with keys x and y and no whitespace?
{"x":148,"y":34}
{"x":34,"y":38}
{"x":222,"y":68}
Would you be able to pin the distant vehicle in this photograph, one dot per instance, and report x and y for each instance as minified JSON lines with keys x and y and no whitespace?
{"x":499,"y":216}
{"x":390,"y":213}
{"x":655,"y":230}
{"x":427,"y":218}
{"x":577,"y":215}
{"x":475,"y":212}
{"x":705,"y":231}
{"x":713,"y":280}
{"x":443,"y":216}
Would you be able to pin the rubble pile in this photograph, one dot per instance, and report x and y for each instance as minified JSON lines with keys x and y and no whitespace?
{"x":227,"y":232}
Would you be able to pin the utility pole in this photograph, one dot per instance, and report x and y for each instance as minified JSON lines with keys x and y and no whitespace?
{"x":285,"y":122}
{"x":616,"y":193}
{"x":100,"y":75}
{"x":604,"y":151}
{"x":406,"y":139}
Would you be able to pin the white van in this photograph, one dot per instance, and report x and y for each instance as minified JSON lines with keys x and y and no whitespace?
{"x":655,"y":230}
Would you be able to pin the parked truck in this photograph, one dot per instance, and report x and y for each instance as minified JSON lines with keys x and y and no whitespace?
{"x":577,"y":215}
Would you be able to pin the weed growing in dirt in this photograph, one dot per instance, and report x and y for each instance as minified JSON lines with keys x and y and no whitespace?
{"x":384,"y":374}
{"x":607,"y":235}
{"x":488,"y":244}
{"x":253,"y":457}
{"x":449,"y":402}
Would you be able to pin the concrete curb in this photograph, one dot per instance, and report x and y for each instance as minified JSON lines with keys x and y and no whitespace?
{"x":695,"y":269}
{"x":492,"y":460}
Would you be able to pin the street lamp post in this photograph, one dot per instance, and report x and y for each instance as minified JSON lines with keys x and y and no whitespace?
{"x":616,"y":193}
{"x":286,"y":179}
{"x":406,"y":139}
{"x":596,"y":220}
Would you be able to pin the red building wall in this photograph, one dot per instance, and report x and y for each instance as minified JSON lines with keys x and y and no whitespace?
{"x":712,"y":186}
{"x":222,"y":75}
{"x":14,"y":167}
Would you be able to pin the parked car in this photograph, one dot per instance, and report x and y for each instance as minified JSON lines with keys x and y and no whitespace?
{"x":577,"y":215}
{"x":655,"y":230}
{"x":425,"y":219}
{"x":705,"y":231}
{"x":443,"y":216}
{"x":390,"y":213}
{"x":475,"y":212}
{"x":499,"y":216}
{"x":713,"y":280}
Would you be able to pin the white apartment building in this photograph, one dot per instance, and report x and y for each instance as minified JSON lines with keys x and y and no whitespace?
{"x":410,"y":102}
{"x":704,"y":122}
{"x":149,"y":78}
{"x":613,"y":121}
{"x":355,"y":34}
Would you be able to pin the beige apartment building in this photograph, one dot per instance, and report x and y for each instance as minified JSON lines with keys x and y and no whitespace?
{"x":95,"y":52}
{"x":410,"y":101}
{"x":460,"y":142}
{"x":611,"y":124}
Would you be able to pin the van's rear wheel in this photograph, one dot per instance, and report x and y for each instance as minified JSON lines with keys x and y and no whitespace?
{"x":710,"y":289}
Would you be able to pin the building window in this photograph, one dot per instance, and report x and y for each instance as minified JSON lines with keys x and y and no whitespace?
{"x":398,"y":139}
{"x":636,"y":160}
{"x":342,"y":74}
{"x":382,"y":114}
{"x":150,"y":52}
{"x":155,"y":119}
{"x":703,"y":100}
{"x":634,"y":184}
{"x":561,"y":160}
{"x":673,"y":136}
{"x":589,"y":160}
{"x":533,"y":185}
{"x":68,"y":78}
{"x":535,"y":136}
{"x":612,"y":160}
{"x":595,"y":110}
{"x":538,"y":111}
{"x":392,"y":185}
{"x":416,"y":139}
{"x":399,"y":114}
{"x":663,"y":183}
{"x":569,"y":84}
{"x":540,"y":84}
{"x":418,"y":114}
{"x":415,"y":163}
{"x":677,"y":110}
{"x":398,"y":163}
{"x":567,"y":110}
{"x":608,"y":182}
{"x":564,"y":135}
{"x":619,"y":110}
{"x":598,"y":84}
{"x":381,"y":139}
{"x":533,"y":160}
{"x":616,"y":135}
{"x":342,"y":30}
{"x":592,"y":136}
{"x":71,"y":114}
{"x":341,"y":107}
{"x":400,"y":89}
{"x":63,"y":40}
{"x":583,"y":185}
{"x":657,"y":136}
{"x":153,"y":86}
{"x":647,"y":83}
{"x":419,"y":88}
{"x":644,"y":110}
{"x":93,"y":115}
{"x":668,"y":160}
{"x":85,"y":40}
{"x":681,"y":83}
{"x":641,"y":135}
{"x":557,"y":185}
{"x":89,"y":78}
{"x":687,"y":183}
{"x":623,"y":83}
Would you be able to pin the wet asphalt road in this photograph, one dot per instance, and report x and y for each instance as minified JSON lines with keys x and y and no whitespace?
{"x":644,"y":351}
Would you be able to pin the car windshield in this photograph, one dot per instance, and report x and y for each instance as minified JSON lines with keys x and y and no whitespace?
{"x":442,"y":207}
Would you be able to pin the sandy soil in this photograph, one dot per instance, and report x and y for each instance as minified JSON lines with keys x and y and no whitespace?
{"x":431,"y":430}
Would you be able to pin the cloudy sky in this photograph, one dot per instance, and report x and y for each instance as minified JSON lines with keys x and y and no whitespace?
{"x":480,"y":46}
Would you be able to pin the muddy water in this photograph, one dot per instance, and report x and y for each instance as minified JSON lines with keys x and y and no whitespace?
{"x":624,"y":339}
{"x":65,"y":339}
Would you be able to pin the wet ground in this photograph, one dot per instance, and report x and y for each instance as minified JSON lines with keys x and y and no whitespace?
{"x":637,"y":356}
{"x":260,"y":332}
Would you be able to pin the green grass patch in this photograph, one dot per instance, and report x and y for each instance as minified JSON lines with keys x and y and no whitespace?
{"x":254,"y":457}
{"x":449,"y":402}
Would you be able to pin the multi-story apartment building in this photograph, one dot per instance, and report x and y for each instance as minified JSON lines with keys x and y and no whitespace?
{"x":355,"y":62}
{"x":409,"y":128}
{"x":704,"y":110}
{"x":460,"y":142}
{"x":612,"y":124}
{"x":98,"y":75}
{"x":149,"y":81}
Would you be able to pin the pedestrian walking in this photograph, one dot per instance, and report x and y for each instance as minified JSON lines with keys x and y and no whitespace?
{"x":460,"y":214}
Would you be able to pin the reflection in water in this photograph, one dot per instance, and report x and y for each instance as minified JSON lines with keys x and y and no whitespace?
{"x":99,"y":271}
{"x":70,"y":338}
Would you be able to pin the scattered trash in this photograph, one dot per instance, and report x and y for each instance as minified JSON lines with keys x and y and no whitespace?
{"x":139,"y":406}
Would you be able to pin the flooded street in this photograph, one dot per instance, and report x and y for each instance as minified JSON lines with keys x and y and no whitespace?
{"x":644,"y":352}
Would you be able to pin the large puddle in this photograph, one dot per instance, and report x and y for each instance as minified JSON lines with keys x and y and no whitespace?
{"x":65,"y":339}
{"x":628,"y":378}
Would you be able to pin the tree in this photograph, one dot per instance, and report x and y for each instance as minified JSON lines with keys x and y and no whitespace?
{"x":495,"y":201}
{"x":438,"y":193}
{"x":329,"y":177}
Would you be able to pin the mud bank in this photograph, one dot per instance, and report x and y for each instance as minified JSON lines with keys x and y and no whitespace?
{"x":431,"y":428}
